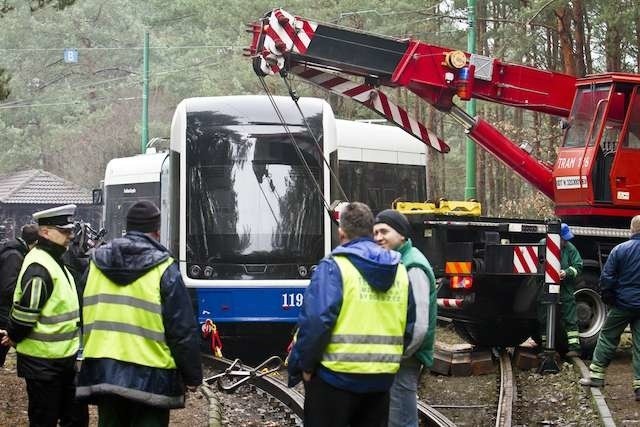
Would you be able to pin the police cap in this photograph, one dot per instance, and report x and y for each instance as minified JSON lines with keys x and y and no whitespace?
{"x":61,"y":216}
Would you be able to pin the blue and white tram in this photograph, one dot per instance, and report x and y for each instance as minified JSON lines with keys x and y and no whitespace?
{"x":247,"y":216}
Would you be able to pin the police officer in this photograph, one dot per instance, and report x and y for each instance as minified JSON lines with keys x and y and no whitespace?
{"x":620,"y":288}
{"x":570,"y":269}
{"x":351,"y":328}
{"x":44,"y":322}
{"x":141,"y":340}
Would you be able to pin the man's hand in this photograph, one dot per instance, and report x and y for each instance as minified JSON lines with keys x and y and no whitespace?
{"x":563,"y":274}
{"x":306,"y":376}
{"x":5,"y":340}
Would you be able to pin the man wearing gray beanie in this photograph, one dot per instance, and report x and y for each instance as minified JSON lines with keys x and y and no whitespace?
{"x":392,"y":231}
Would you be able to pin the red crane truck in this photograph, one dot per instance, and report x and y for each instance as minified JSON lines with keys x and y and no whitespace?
{"x":489,"y":267}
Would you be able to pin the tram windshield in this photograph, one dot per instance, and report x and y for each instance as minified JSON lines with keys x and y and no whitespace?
{"x":250,"y":196}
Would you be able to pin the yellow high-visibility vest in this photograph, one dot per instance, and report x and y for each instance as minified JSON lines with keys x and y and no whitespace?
{"x":124,"y":322}
{"x":56,"y":333}
{"x":368,"y":335}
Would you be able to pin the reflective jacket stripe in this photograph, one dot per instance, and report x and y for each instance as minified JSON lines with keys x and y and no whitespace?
{"x":126,"y":328}
{"x":22,"y":315}
{"x":123,"y":300}
{"x":49,"y":320}
{"x":63,"y":336}
{"x":366,"y":339}
{"x":364,"y":357}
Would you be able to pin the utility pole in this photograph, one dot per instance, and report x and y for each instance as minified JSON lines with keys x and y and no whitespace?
{"x":470,"y":182}
{"x":144,"y":136}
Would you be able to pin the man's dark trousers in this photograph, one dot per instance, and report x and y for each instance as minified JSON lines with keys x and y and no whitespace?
{"x":325,"y":405}
{"x":50,"y":401}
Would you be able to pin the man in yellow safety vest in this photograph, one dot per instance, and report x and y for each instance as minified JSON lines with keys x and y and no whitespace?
{"x":351,"y":328}
{"x":44,"y":322}
{"x":141,"y":340}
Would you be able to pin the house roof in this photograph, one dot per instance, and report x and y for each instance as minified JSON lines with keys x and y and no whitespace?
{"x":35,"y":186}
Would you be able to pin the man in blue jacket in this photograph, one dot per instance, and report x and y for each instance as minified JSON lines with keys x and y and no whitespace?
{"x":351,"y":328}
{"x":620,"y":288}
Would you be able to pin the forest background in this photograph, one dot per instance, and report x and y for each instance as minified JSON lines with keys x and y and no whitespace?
{"x":71,"y":119}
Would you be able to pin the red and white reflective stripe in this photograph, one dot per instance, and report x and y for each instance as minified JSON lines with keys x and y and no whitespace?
{"x":288,"y":34}
{"x":525,"y":259}
{"x":450,"y":302}
{"x":371,"y":98}
{"x":285,"y":33}
{"x":295,"y":32}
{"x":552,"y":266}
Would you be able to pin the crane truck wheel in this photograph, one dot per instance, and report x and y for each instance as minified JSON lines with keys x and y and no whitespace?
{"x":591,"y":310}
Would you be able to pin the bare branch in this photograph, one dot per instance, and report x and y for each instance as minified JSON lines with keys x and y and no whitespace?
{"x":544,"y":6}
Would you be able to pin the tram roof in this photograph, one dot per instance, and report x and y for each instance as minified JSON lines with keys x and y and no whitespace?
{"x":377,"y":143}
{"x":135,"y":169}
{"x":255,"y":108}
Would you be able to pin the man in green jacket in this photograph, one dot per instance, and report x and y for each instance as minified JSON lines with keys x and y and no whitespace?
{"x":392,"y":231}
{"x":570,"y":269}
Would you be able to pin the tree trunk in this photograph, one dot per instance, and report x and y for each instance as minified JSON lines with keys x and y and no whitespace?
{"x":636,"y":21}
{"x":563,"y":25}
{"x":612,"y":45}
{"x":587,"y":51}
{"x":578,"y":19}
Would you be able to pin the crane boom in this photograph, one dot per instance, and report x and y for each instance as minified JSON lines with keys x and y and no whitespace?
{"x":591,"y":177}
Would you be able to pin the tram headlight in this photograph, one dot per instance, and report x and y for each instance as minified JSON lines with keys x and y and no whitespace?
{"x":208,"y":271}
{"x":302,"y":271}
{"x":195,"y":270}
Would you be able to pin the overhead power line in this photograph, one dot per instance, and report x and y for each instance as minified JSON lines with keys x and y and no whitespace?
{"x":59,"y":49}
{"x":90,"y":101}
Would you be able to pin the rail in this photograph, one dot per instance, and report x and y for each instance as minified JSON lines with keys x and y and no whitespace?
{"x":507,"y":391}
{"x":290,"y":398}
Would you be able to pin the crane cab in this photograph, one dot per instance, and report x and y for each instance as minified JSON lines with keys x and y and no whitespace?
{"x":597,"y":172}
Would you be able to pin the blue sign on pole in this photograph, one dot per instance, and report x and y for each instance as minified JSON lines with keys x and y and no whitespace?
{"x":71,"y":56}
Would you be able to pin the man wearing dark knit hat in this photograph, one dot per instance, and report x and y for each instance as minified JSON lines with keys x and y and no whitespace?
{"x":141,"y":340}
{"x":392,"y":231}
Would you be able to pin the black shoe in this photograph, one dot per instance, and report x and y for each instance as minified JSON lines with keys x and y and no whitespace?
{"x":594,"y":382}
{"x":637,"y":393}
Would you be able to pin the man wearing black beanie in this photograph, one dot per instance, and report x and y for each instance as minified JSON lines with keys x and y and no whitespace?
{"x":141,"y":340}
{"x":144,"y":217}
{"x":392,"y":231}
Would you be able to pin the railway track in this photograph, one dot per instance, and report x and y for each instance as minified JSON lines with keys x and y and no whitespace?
{"x":290,"y":401}
{"x":507,"y":391}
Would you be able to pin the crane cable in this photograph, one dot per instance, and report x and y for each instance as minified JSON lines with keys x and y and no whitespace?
{"x":333,"y":176}
{"x":295,"y":144}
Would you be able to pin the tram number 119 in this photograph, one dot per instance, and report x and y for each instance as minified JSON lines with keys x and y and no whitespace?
{"x":292,"y":300}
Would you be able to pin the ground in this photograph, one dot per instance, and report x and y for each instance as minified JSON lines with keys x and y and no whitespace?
{"x":541,"y":399}
{"x":13,"y":402}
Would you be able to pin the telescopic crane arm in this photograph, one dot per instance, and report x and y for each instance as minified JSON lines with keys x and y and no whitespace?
{"x":283,"y":43}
